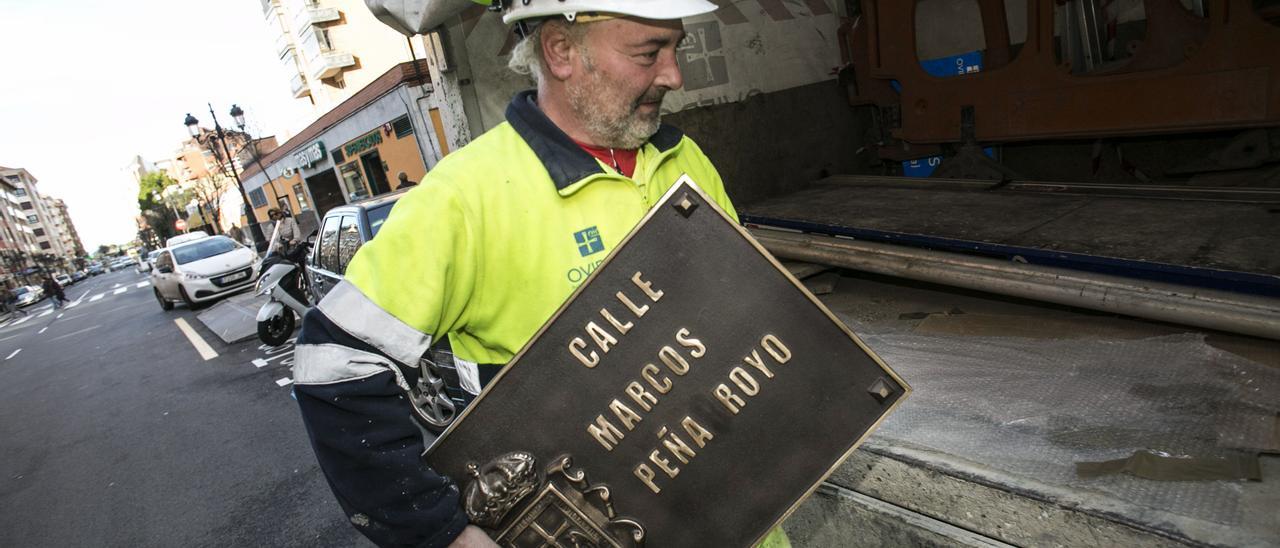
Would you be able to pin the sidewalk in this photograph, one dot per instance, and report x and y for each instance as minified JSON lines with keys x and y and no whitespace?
{"x":234,"y":319}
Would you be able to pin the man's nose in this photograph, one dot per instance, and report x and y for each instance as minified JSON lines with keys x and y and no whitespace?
{"x":669,"y":72}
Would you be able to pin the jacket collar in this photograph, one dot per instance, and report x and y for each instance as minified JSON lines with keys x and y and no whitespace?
{"x":564,"y":160}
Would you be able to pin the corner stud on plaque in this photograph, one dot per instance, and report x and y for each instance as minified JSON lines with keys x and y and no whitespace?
{"x":685,"y":205}
{"x":881,"y":389}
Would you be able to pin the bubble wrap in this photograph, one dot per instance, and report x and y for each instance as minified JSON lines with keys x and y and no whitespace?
{"x":1033,"y":408}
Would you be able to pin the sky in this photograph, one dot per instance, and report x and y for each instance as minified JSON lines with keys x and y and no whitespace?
{"x":87,"y":85}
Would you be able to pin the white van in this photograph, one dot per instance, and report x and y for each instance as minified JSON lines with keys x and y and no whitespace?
{"x":188,"y":237}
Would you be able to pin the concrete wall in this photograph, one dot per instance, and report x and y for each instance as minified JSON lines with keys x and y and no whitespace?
{"x":778,"y":142}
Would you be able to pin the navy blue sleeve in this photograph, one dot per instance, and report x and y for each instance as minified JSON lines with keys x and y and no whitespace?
{"x":371,"y":452}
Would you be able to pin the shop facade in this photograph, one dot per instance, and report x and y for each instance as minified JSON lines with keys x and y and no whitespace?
{"x":354,"y":152}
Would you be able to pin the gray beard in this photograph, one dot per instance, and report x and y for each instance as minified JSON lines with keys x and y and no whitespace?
{"x":608,"y":121}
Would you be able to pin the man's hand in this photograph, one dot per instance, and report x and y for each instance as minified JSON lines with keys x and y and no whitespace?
{"x":473,"y":537}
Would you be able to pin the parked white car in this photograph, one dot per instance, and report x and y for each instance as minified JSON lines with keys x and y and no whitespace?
{"x":147,"y":263}
{"x":202,"y":270}
{"x":29,"y":294}
{"x":62,"y":279}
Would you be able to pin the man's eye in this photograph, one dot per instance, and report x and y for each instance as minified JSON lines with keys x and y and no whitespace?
{"x":650,"y":55}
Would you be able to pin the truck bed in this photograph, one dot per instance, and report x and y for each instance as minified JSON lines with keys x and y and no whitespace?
{"x":1010,"y":395}
{"x":1222,"y":238}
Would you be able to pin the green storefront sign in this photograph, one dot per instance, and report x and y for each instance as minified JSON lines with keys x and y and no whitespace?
{"x":364,"y":143}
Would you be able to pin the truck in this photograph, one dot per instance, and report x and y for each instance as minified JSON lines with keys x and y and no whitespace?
{"x":1084,"y":294}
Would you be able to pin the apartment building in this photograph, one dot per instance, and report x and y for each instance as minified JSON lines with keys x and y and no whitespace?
{"x":62,"y":221}
{"x":330,"y":49}
{"x":32,"y":231}
{"x":203,"y":185}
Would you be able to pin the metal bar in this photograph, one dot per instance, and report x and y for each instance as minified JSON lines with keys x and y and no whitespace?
{"x":1249,"y":315}
{"x":1170,"y":192}
{"x":1235,"y":282}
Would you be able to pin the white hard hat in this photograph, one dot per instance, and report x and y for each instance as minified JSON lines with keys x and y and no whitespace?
{"x":517,"y":10}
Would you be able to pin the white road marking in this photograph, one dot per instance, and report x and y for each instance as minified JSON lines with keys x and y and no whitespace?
{"x":81,"y":297}
{"x":202,"y":347}
{"x":117,"y":285}
{"x":74,"y":333}
{"x":23,"y":320}
{"x":119,"y":291}
{"x":60,"y":316}
{"x":96,"y":297}
{"x":261,"y":362}
{"x":42,"y":330}
{"x":280,"y":382}
{"x":45,"y":313}
{"x":142,"y":284}
{"x":15,"y":353}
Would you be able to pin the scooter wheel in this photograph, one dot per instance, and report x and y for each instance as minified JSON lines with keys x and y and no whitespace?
{"x":276,"y":331}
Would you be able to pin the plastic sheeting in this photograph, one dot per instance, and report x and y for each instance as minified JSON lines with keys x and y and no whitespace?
{"x":1034,"y":407}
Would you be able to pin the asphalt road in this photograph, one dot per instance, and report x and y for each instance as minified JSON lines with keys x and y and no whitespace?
{"x":116,"y":431}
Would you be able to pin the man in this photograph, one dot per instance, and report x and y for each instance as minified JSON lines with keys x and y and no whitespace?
{"x":286,"y":232}
{"x":404,"y":181}
{"x":8,"y":301}
{"x":481,"y":252}
{"x":236,"y":234}
{"x":54,"y":291}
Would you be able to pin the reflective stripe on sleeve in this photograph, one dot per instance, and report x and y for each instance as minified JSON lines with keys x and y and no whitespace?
{"x":354,"y":313}
{"x":332,"y":363}
{"x":468,"y":375}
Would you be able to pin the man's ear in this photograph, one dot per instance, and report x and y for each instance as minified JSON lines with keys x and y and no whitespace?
{"x":558,"y":50}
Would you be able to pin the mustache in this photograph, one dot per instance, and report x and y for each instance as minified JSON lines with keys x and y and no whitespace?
{"x":654,"y":96}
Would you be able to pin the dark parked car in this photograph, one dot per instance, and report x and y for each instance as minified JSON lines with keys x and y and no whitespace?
{"x":438,"y":398}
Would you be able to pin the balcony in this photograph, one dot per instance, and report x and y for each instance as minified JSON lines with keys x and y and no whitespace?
{"x":283,"y":43}
{"x":328,"y":65}
{"x":299,"y":86}
{"x":317,"y":16}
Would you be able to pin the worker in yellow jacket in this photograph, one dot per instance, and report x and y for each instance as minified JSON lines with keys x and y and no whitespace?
{"x":495,"y":239}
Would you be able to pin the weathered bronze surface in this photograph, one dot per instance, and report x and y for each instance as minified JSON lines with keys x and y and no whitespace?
{"x":699,"y":386}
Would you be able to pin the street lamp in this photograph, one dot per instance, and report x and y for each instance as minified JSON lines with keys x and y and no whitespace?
{"x":193,"y":126}
{"x":238,"y":116}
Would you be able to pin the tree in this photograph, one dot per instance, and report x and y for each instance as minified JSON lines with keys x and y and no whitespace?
{"x":153,"y":207}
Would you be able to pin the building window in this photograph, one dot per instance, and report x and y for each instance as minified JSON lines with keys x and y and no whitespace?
{"x":402,"y":126}
{"x":27,"y":205}
{"x":32,"y":219}
{"x":257,"y":197}
{"x":20,"y":192}
{"x":301,"y":196}
{"x":45,"y":245}
{"x":39,"y":232}
{"x":353,"y":180}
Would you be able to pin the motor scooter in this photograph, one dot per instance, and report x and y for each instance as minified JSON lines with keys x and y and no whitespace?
{"x":284,"y":280}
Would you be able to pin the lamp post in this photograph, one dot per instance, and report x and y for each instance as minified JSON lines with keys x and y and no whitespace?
{"x":193,"y":125}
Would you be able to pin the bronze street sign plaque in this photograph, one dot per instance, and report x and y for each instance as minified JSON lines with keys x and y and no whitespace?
{"x":690,"y":393}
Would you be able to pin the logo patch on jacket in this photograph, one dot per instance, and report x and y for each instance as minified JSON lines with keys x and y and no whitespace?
{"x":589,"y":242}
